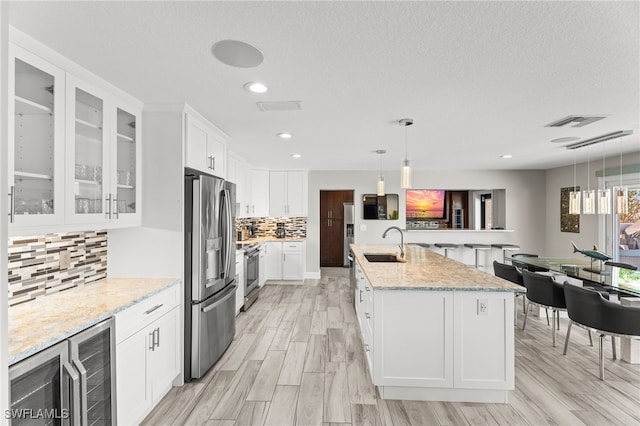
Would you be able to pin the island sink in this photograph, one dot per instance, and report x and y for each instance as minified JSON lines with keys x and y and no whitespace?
{"x":382,"y":257}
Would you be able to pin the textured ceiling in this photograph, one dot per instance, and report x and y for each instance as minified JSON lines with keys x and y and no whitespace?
{"x":480,"y":79}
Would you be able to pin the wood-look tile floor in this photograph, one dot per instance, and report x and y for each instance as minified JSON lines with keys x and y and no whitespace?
{"x":297,"y":358}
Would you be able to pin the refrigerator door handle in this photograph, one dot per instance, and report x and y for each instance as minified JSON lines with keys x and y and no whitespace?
{"x":83,"y":391}
{"x":74,"y":405}
{"x":223,"y":297}
{"x":228,"y":237}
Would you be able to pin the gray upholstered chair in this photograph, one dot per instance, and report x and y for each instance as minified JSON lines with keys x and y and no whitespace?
{"x":543,"y":291}
{"x":592,"y":310}
{"x":510,"y":273}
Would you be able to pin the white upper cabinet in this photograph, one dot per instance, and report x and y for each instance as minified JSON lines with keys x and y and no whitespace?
{"x":236,"y":173}
{"x":259,"y":193}
{"x":287,"y":193}
{"x":205,"y":148}
{"x":88,"y":166}
{"x":75,"y":151}
{"x":36,"y":135}
{"x":103,"y":157}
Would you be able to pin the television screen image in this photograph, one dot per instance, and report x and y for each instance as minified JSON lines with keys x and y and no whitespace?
{"x":425,"y":204}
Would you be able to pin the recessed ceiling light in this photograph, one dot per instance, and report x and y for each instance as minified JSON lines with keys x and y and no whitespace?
{"x":285,"y":135}
{"x":255,"y":87}
{"x":296,"y":155}
{"x":506,"y":156}
{"x":237,"y":54}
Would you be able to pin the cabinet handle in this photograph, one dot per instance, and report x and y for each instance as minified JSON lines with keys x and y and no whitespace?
{"x":253,"y":207}
{"x":147,"y":312}
{"x":367,"y":315}
{"x":152,"y":340}
{"x":114,"y":207}
{"x":12,"y":203}
{"x":284,"y":257}
{"x":157,"y":330}
{"x":360,"y":296}
{"x":329,"y":213}
{"x":366,"y":348}
{"x":213,"y":163}
{"x":367,"y":288}
{"x":247,"y":208}
{"x":108,"y":202}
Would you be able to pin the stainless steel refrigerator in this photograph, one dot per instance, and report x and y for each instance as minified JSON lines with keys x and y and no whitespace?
{"x":348,"y":215}
{"x":210,"y":287}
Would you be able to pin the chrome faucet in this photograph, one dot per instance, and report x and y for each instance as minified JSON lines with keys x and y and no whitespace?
{"x":384,"y":235}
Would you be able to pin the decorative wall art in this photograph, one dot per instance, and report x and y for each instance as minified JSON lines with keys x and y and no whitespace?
{"x":568,"y":222}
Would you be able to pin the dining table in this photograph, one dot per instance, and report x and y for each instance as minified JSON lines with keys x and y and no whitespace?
{"x":593,"y":274}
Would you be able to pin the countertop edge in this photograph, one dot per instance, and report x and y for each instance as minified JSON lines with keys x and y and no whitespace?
{"x":68,"y":333}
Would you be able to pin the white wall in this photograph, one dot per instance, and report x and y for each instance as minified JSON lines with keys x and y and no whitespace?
{"x":157,"y":248}
{"x":558,"y":244}
{"x":525,"y":208}
{"x":4,"y":355}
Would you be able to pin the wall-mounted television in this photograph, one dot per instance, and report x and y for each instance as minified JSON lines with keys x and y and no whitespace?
{"x":426,"y":204}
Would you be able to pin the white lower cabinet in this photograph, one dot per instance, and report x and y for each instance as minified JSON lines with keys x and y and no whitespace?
{"x":284,"y":260}
{"x":239,"y":281}
{"x":262,"y":275}
{"x":147,"y":354}
{"x":292,"y":260}
{"x":435,"y":345}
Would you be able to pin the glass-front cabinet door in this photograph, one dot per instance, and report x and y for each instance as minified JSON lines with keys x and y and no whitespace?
{"x":127,"y":164}
{"x":88,"y":197}
{"x":36,"y":132}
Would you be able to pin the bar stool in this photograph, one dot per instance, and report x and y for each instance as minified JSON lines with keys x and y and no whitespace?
{"x":446,"y":247}
{"x":505,"y":248}
{"x":477,"y":248}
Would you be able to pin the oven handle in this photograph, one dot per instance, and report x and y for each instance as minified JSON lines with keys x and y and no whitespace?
{"x":220,"y":299}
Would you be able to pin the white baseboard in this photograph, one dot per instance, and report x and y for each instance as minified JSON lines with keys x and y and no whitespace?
{"x":312,"y":275}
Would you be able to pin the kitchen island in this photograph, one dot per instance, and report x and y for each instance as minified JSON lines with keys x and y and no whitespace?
{"x":434,"y":329}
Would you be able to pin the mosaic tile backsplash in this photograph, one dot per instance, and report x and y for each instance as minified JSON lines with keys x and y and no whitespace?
{"x":266,"y":226}
{"x":34,"y":263}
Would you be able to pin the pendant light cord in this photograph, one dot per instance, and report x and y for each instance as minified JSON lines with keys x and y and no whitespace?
{"x":620,"y":171}
{"x":406,"y":156}
{"x":588,"y":170}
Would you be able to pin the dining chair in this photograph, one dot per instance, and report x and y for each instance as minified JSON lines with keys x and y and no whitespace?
{"x":510,"y":273}
{"x":543,"y":291}
{"x":591,"y":309}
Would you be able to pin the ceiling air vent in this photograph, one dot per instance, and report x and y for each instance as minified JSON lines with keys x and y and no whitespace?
{"x":280,"y":106}
{"x":576,"y":120}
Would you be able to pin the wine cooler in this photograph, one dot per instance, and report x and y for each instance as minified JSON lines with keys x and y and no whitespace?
{"x":71,"y":383}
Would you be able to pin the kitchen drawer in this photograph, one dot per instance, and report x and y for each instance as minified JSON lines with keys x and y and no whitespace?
{"x":292,"y":246}
{"x":146,"y":311}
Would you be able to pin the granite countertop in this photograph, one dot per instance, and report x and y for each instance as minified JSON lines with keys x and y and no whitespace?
{"x":425,"y":270}
{"x":258,"y":240}
{"x":37,"y":325}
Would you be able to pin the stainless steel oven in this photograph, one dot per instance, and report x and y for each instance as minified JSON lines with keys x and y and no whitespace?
{"x":251,"y":275}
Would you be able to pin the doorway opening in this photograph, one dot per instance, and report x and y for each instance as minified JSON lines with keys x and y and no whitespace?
{"x":337,"y":221}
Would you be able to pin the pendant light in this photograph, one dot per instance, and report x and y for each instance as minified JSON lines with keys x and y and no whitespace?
{"x":380,"y":191}
{"x":574,"y":196}
{"x":405,"y":171}
{"x":604,"y":194}
{"x":622,"y":199}
{"x":589,"y":196}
